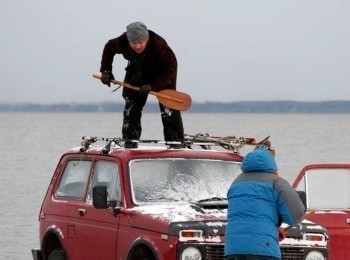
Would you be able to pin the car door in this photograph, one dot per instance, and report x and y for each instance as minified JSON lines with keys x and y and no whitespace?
{"x":327,"y":192}
{"x":69,"y":200}
{"x":98,"y":228}
{"x":89,"y":233}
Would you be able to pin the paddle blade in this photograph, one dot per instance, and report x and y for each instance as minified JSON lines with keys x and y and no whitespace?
{"x":174,"y":99}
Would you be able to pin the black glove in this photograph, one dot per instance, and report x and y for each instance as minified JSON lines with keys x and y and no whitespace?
{"x":106,"y":78}
{"x":145,"y":89}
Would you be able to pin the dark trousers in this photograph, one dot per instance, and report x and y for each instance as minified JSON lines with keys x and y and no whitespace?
{"x":250,"y":257}
{"x":171,"y":119}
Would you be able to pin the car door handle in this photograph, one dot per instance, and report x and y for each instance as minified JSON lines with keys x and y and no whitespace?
{"x":347,"y":220}
{"x":82,"y":212}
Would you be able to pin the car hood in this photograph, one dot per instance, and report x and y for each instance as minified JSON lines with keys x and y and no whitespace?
{"x":172,"y":217}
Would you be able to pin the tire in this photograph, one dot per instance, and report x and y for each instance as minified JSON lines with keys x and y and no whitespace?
{"x":57,"y":254}
{"x":141,"y":253}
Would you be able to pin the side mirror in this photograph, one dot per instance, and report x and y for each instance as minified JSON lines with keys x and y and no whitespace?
{"x":99,"y":197}
{"x":302,"y":196}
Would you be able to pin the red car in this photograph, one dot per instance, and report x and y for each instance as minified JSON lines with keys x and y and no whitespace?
{"x":151,"y":202}
{"x":326,"y":189}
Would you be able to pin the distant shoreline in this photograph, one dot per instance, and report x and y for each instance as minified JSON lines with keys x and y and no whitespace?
{"x":335,"y":107}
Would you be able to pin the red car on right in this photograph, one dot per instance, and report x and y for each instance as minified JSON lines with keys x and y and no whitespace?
{"x":326,"y":190}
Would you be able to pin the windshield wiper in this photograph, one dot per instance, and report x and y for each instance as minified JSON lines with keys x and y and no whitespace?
{"x":162,"y":199}
{"x":212,"y":199}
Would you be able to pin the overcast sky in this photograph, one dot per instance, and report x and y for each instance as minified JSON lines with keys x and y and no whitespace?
{"x":227,"y":50}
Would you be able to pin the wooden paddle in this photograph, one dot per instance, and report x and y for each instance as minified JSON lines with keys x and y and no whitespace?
{"x":169,"y":97}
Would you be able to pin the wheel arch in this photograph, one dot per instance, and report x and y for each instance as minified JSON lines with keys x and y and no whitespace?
{"x":51,"y":241}
{"x":141,"y":247}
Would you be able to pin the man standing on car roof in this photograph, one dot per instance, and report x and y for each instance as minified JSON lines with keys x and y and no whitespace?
{"x":258,"y":202}
{"x":152,"y":65}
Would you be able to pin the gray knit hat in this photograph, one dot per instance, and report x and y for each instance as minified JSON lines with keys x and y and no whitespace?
{"x":136,"y":32}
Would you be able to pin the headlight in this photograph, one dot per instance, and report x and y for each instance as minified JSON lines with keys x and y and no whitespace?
{"x":191,"y":253}
{"x":314,"y":255}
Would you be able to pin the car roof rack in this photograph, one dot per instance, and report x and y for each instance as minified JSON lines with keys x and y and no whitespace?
{"x":205,"y":141}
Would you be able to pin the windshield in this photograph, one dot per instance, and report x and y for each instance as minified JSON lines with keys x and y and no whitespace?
{"x":190,"y":180}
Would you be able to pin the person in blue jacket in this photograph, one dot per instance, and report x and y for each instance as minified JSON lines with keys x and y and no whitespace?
{"x":258,"y":202}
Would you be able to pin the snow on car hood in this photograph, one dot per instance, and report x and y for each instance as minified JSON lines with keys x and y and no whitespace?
{"x":171,"y":217}
{"x":174,"y":212}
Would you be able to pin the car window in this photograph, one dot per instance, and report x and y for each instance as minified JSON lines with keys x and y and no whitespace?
{"x":190,"y":180}
{"x":74,"y":179}
{"x":327,"y":188}
{"x":106,"y":173}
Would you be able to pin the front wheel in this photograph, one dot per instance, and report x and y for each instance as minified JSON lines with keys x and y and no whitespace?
{"x":141,"y":252}
{"x":57,"y":254}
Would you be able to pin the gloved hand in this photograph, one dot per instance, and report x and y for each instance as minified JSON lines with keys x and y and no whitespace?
{"x":145,"y":89}
{"x":106,"y":78}
{"x":281,"y":234}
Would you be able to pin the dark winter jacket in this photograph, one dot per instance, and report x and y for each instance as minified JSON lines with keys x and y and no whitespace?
{"x":157,"y":63}
{"x":258,"y":202}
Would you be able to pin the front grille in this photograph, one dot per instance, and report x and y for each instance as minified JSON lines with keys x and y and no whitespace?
{"x":215,"y":252}
{"x":289,"y":253}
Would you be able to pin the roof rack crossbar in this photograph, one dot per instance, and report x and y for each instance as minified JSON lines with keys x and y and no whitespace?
{"x":205,"y":141}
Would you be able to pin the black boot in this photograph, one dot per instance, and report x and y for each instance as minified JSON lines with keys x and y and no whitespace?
{"x":130,"y":144}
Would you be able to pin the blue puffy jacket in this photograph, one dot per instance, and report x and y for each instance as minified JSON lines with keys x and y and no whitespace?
{"x":258,"y":202}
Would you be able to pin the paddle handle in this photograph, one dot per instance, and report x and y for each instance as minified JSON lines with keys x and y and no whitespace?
{"x":157,"y":94}
{"x":116,"y":82}
{"x":308,"y":214}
